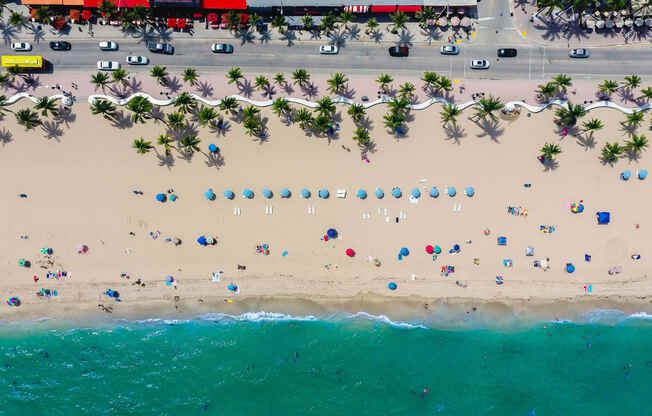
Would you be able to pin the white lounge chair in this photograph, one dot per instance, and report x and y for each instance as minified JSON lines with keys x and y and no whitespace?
{"x":341,"y":193}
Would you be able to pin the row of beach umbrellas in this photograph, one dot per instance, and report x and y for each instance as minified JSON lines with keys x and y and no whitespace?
{"x":324,"y":194}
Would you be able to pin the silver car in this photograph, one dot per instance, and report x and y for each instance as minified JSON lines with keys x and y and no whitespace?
{"x":579,"y":53}
{"x":329,"y":49}
{"x":449,"y":50}
{"x":137,"y":60}
{"x":108,"y":65}
{"x":108,"y":45}
{"x":480,"y":64}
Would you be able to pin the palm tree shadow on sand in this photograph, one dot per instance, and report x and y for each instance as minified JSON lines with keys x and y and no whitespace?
{"x":173,"y":84}
{"x":491,"y":128}
{"x":214,"y":160}
{"x":550,"y":164}
{"x":65,"y":115}
{"x":5,"y":136}
{"x":587,"y":142}
{"x":51,"y":130}
{"x":205,"y":89}
{"x":454,"y":132}
{"x":165,"y":159}
{"x":122,"y":121}
{"x":245,"y":88}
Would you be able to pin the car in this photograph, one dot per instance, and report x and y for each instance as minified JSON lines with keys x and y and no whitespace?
{"x":108,"y":45}
{"x":158,"y":47}
{"x":507,"y":53}
{"x":21,"y":46}
{"x":329,"y":49}
{"x":399,"y":51}
{"x":60,"y":45}
{"x":579,"y":53}
{"x":137,"y":60}
{"x":480,"y":64}
{"x":108,"y":65}
{"x":222,"y":48}
{"x":449,"y":50}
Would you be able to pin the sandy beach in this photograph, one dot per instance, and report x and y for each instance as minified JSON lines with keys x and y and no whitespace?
{"x":79,"y":191}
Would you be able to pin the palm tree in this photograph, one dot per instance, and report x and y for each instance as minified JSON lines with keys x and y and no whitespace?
{"x":321,"y":123}
{"x":357,"y":112}
{"x":46,"y":105}
{"x":165,"y":141}
{"x":185,"y":102}
{"x":175,"y":120}
{"x":142,"y":146}
{"x":399,"y":19}
{"x":549,"y":151}
{"x":141,"y":108}
{"x":229,"y":104}
{"x":399,"y":105}
{"x":384,"y":80}
{"x":5,"y":78}
{"x":234,"y":75}
{"x":372,"y":25}
{"x":346,"y":17}
{"x":430,"y":80}
{"x":190,"y":144}
{"x":485,"y":107}
{"x":632,"y":82}
{"x":300,"y":77}
{"x":568,"y":117}
{"x":206,"y":115}
{"x":100,"y":79}
{"x":548,"y":90}
{"x":281,"y":107}
{"x":328,"y":23}
{"x":190,"y":75}
{"x":611,"y":152}
{"x":279,"y":79}
{"x":15,"y":71}
{"x":27,"y":118}
{"x":636,"y":144}
{"x":608,"y":87}
{"x":42,"y":13}
{"x":394,"y":121}
{"x":120,"y":76}
{"x":231,"y":20}
{"x":307,"y":22}
{"x":337,"y":83}
{"x":361,"y":136}
{"x":406,"y":90}
{"x":250,"y":111}
{"x":304,"y":118}
{"x":261,"y":82}
{"x":449,"y":113}
{"x":4,"y":105}
{"x":159,"y":73}
{"x":592,"y":126}
{"x":633,"y":120}
{"x":107,"y":8}
{"x":425,"y":14}
{"x":325,"y":106}
{"x":444,"y":84}
{"x":279,"y":23}
{"x":562,"y":81}
{"x":105,"y":108}
{"x":646,"y":93}
{"x":252,"y":126}
{"x":16,"y":19}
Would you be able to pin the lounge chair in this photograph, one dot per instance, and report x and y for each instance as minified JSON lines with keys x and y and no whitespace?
{"x":341,"y":193}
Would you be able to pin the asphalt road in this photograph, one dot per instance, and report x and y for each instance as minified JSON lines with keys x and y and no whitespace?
{"x":536,"y":63}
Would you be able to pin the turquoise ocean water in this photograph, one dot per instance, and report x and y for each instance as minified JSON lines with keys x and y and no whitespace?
{"x":269,"y":364}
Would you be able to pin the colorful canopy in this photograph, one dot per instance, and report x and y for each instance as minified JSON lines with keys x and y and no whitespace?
{"x":323,"y":193}
{"x":202,"y":240}
{"x":430,"y":249}
{"x":350,"y":252}
{"x":267,"y":193}
{"x":362,"y":194}
{"x":161,"y":197}
{"x":469,"y":191}
{"x":305,"y":193}
{"x":434,"y":192}
{"x":570,"y":268}
{"x":392,"y":286}
{"x":396,"y":192}
{"x":379,"y":193}
{"x":331,"y":233}
{"x":437,"y":250}
{"x":228,"y":194}
{"x":285,"y":193}
{"x":451,"y":191}
{"x":247,"y":193}
{"x":209,"y":194}
{"x":416,"y":193}
{"x":404,"y":251}
{"x":212,"y":148}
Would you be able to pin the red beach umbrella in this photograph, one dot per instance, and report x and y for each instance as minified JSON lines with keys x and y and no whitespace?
{"x":350,"y":252}
{"x":430,"y":249}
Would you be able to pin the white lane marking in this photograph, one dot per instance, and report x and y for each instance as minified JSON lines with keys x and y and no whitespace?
{"x":484,"y":19}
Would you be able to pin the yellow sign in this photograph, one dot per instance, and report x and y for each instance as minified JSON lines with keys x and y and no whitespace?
{"x":524,"y":33}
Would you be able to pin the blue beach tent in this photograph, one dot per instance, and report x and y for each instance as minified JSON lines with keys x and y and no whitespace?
{"x":626,"y":175}
{"x":642,"y":174}
{"x":248,"y":193}
{"x":603,"y":217}
{"x":323,"y":193}
{"x":331,"y":233}
{"x":396,"y":192}
{"x":469,"y":191}
{"x":416,"y":193}
{"x":434,"y":192}
{"x":267,"y":193}
{"x":285,"y":193}
{"x":451,"y":191}
{"x":228,"y":194}
{"x":379,"y":193}
{"x":305,"y":193}
{"x":213,"y":149}
{"x":362,"y":194}
{"x":209,"y":194}
{"x":161,"y":197}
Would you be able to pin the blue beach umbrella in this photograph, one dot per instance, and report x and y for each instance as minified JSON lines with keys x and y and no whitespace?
{"x":626,"y":175}
{"x":209,"y":194}
{"x":379,"y":193}
{"x":642,"y":174}
{"x":452,"y":191}
{"x":404,"y":251}
{"x":161,"y":197}
{"x":331,"y":233}
{"x":469,"y":191}
{"x":232,"y":287}
{"x":362,"y":194}
{"x":248,"y":193}
{"x":202,"y":240}
{"x":285,"y":193}
{"x":267,"y":193}
{"x":392,"y":286}
{"x":416,"y":193}
{"x":323,"y":193}
{"x":396,"y":192}
{"x":434,"y":192}
{"x":305,"y":193}
{"x":228,"y":194}
{"x":213,"y":149}
{"x":570,"y":268}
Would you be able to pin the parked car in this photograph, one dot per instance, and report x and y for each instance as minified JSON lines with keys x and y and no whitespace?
{"x":21,"y":46}
{"x":329,"y":49}
{"x":579,"y":53}
{"x":507,"y":53}
{"x":108,"y":65}
{"x":449,"y":50}
{"x":399,"y":51}
{"x":480,"y":64}
{"x":158,"y":47}
{"x":60,"y":45}
{"x":137,"y":60}
{"x":222,"y":48}
{"x":108,"y":45}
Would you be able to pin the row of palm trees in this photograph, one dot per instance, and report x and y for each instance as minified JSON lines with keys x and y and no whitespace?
{"x":29,"y":118}
{"x":609,"y":153}
{"x":560,"y":84}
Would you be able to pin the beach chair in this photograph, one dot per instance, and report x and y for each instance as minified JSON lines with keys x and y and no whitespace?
{"x":341,"y":193}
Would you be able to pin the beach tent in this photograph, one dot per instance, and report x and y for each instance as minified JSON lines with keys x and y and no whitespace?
{"x":437,"y":250}
{"x":642,"y":174}
{"x":305,"y":193}
{"x":379,"y":193}
{"x":392,"y":286}
{"x":285,"y":193}
{"x":626,"y":175}
{"x":502,"y":241}
{"x":570,"y":268}
{"x":469,"y":191}
{"x":430,"y":249}
{"x":451,"y":191}
{"x":267,"y":193}
{"x":350,"y":252}
{"x":404,"y":251}
{"x":529,"y":251}
{"x":232,"y":287}
{"x":323,"y":193}
{"x":173,"y":197}
{"x":248,"y":193}
{"x":434,"y":192}
{"x":416,"y":193}
{"x":362,"y":194}
{"x":202,"y":241}
{"x":603,"y":217}
{"x":209,"y":194}
{"x":228,"y":194}
{"x":161,"y":197}
{"x":396,"y":192}
{"x":213,"y":149}
{"x":331,"y":233}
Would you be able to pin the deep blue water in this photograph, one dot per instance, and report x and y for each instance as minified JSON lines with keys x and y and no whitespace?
{"x":265,"y":364}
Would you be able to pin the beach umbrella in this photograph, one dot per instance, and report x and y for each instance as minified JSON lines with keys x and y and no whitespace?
{"x":331,"y":233}
{"x":161,"y":197}
{"x":396,"y":192}
{"x":404,"y":251}
{"x":642,"y":174}
{"x":362,"y":194}
{"x":451,"y":191}
{"x":350,"y":252}
{"x":626,"y":175}
{"x":248,"y":193}
{"x":416,"y":193}
{"x":469,"y":191}
{"x":228,"y":194}
{"x":285,"y":193}
{"x":232,"y":287}
{"x":434,"y":192}
{"x":437,"y":250}
{"x":210,"y":240}
{"x":169,"y":279}
{"x":392,"y":286}
{"x":323,"y":193}
{"x":213,"y":149}
{"x":209,"y":194}
{"x":267,"y":193}
{"x":202,"y":240}
{"x":570,"y":268}
{"x":456,"y":247}
{"x":305,"y":193}
{"x":176,"y":241}
{"x":430,"y":249}
{"x":379,"y":193}
{"x":82,"y":248}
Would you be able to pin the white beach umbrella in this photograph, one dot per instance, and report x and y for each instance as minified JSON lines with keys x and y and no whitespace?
{"x":620,"y":24}
{"x":648,"y":22}
{"x":638,"y":22}
{"x":610,"y":24}
{"x":629,"y":22}
{"x":590,"y":24}
{"x":599,"y":24}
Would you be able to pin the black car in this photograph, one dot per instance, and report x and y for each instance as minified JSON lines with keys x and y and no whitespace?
{"x":61,"y":45}
{"x":157,"y":47}
{"x":507,"y":53}
{"x":399,"y":51}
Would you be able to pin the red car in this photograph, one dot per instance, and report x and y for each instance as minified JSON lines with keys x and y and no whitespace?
{"x":399,"y":51}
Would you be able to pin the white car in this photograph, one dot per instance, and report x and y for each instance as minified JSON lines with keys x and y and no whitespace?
{"x":480,"y":64}
{"x":449,"y":50}
{"x":21,"y":46}
{"x":137,"y":60}
{"x":329,"y":49}
{"x":579,"y":53}
{"x":108,"y":45}
{"x":108,"y":65}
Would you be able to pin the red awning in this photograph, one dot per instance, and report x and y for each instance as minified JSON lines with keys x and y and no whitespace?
{"x":86,"y":14}
{"x":172,"y":22}
{"x":383,"y":9}
{"x":181,"y":23}
{"x":75,"y":15}
{"x":197,"y":15}
{"x":409,"y":9}
{"x":224,"y":4}
{"x":212,"y":17}
{"x":118,"y":3}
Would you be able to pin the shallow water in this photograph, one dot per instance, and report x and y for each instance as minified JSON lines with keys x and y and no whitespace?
{"x":270,"y":364}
